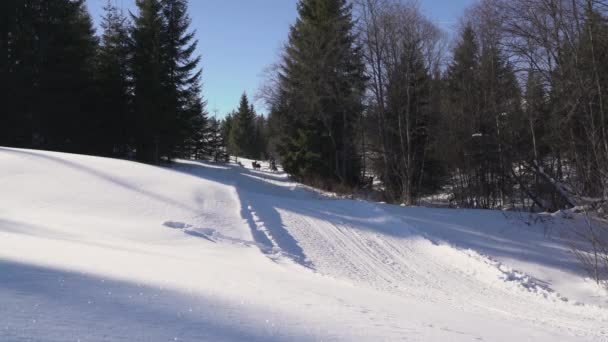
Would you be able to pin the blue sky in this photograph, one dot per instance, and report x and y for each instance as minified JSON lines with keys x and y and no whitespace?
{"x":239,"y":38}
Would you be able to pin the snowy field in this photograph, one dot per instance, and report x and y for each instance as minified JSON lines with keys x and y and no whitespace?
{"x":95,"y":249}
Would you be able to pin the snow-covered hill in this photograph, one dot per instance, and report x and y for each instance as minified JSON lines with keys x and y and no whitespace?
{"x":95,"y":249}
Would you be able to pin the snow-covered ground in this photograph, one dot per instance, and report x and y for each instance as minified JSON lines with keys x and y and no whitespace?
{"x":95,"y":249}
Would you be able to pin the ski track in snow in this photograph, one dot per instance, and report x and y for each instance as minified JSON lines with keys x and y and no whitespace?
{"x":441,"y":274}
{"x":407,"y":263}
{"x":352,"y":269}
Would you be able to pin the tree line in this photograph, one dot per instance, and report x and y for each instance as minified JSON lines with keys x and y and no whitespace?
{"x":135,"y":91}
{"x":511,"y":112}
{"x":508,"y":113}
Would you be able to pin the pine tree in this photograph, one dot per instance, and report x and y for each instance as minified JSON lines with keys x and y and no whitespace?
{"x":16,"y":72}
{"x":192,"y":128}
{"x":215,"y":142}
{"x":463,"y":116}
{"x":170,"y":113}
{"x":322,"y":83}
{"x":47,"y":58}
{"x":242,"y":130}
{"x":260,"y":137}
{"x":182,"y":83}
{"x":226,"y":128}
{"x":502,"y":122}
{"x":151,"y":110}
{"x":484,"y":119}
{"x":114,"y":78}
{"x":63,"y":88}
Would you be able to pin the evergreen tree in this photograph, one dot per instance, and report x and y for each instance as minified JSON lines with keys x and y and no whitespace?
{"x":261,"y":137}
{"x":242,"y":130}
{"x":47,"y":58}
{"x":226,"y":128}
{"x":463,"y":115}
{"x":62,"y":93}
{"x":182,"y":83}
{"x":68,"y":97}
{"x":13,"y":124}
{"x":170,"y":113}
{"x":322,"y":83}
{"x":215,"y":142}
{"x":485,"y":120}
{"x":114,"y":81}
{"x":150,"y":105}
{"x":500,"y":122}
{"x":192,"y":128}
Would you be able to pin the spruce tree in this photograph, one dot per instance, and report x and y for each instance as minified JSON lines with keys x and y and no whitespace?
{"x":16,"y":67}
{"x":226,"y":128}
{"x":150,"y":105}
{"x":47,"y":58}
{"x":64,"y":93}
{"x":170,"y":113}
{"x":182,"y":83}
{"x":215,"y":142}
{"x":114,"y":81}
{"x":322,"y":83}
{"x":242,"y":130}
{"x":192,"y":128}
{"x":261,"y":137}
{"x":463,"y":115}
{"x":484,"y":120}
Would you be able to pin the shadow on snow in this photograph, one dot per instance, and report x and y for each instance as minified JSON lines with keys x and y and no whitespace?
{"x":55,"y":305}
{"x":261,"y":199}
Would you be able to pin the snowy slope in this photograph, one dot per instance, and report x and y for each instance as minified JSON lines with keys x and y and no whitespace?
{"x":94,"y":249}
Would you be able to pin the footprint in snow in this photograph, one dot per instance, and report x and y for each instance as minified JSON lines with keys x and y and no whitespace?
{"x":176,"y":225}
{"x":206,"y":234}
{"x":209,"y":234}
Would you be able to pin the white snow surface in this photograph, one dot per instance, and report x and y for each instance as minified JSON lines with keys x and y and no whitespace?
{"x":95,"y":249}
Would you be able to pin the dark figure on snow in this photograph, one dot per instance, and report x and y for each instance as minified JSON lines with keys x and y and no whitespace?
{"x":273,"y":165}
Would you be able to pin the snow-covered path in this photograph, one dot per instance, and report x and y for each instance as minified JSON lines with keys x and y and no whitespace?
{"x":94,"y":249}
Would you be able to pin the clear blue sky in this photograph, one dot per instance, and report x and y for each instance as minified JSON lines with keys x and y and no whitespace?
{"x":239,"y":38}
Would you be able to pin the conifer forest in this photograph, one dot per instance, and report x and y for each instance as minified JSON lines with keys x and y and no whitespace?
{"x":508,"y":111}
